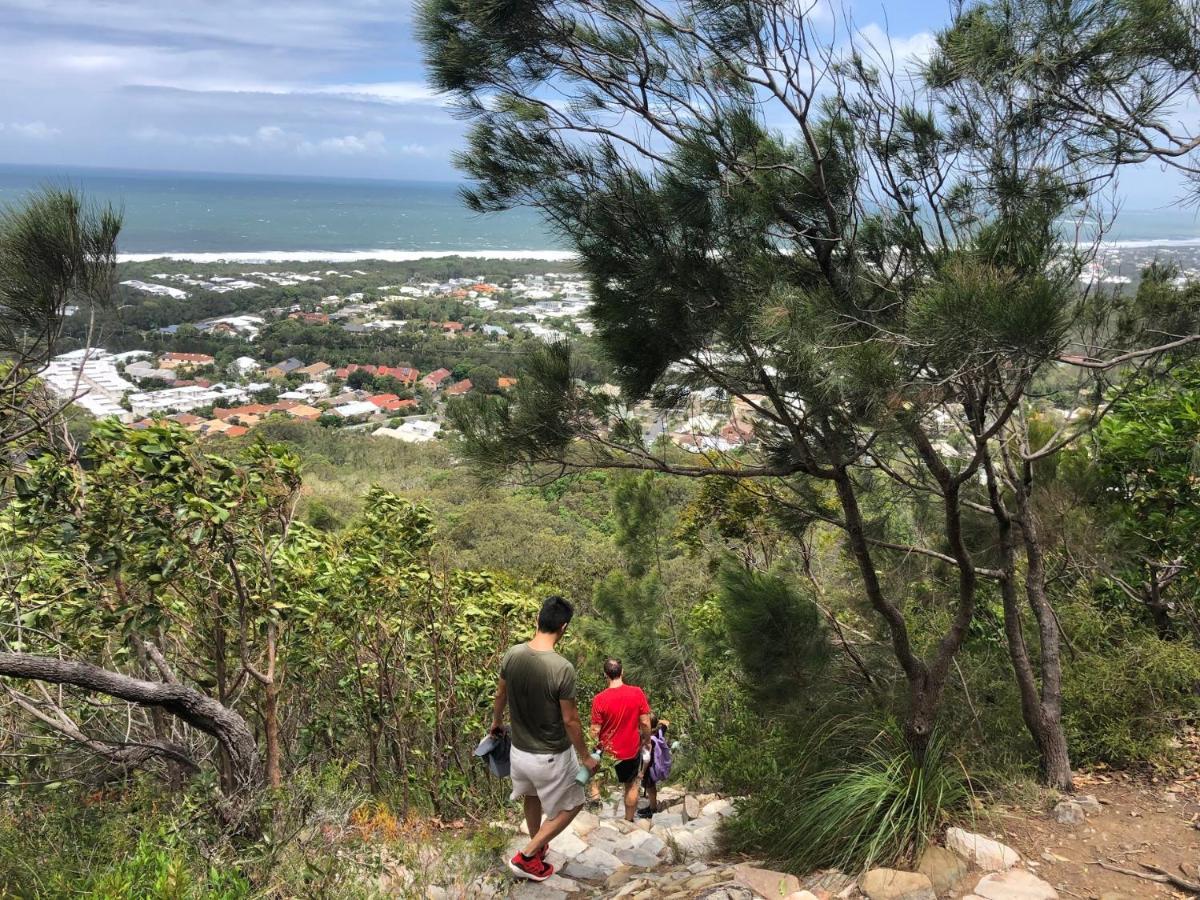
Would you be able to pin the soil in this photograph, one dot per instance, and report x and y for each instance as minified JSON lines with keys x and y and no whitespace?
{"x":1145,"y":819}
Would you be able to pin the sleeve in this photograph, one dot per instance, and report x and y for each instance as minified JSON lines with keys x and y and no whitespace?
{"x":504,"y":663}
{"x":566,"y":684}
{"x":644,"y":709}
{"x":597,"y":705}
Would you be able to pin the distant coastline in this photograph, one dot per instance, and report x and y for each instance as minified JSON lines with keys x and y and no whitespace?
{"x":343,"y":256}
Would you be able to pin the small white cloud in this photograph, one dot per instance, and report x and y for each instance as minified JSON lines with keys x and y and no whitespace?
{"x":413,"y":150}
{"x":370,"y":143}
{"x":905,"y":53}
{"x":34,"y":131}
{"x":272,"y":137}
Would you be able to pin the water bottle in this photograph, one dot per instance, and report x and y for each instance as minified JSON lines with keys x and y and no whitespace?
{"x":583,"y":775}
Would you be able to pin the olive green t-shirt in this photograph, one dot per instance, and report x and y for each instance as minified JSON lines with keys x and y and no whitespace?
{"x":536,"y":681}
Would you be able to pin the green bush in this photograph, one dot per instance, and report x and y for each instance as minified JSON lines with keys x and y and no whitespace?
{"x":852,"y":796}
{"x":1125,"y":690}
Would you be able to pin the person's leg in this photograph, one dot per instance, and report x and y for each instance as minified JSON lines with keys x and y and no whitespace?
{"x":533,"y":813}
{"x":652,"y":796}
{"x":631,"y":798}
{"x":551,"y":828}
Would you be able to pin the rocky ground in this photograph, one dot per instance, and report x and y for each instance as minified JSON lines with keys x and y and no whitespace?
{"x":1129,"y":839}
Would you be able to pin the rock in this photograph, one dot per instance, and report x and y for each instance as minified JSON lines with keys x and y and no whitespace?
{"x":1115,"y":895}
{"x":648,"y":843}
{"x":892,"y":884}
{"x":623,"y":826}
{"x":1068,"y":812}
{"x":942,"y":867}
{"x":697,"y":867}
{"x":691,"y":807}
{"x":644,"y":824}
{"x":1091,"y":806}
{"x":569,"y":844}
{"x":987,"y":854}
{"x":584,"y":823}
{"x":566,"y":885}
{"x":435,"y":892}
{"x":532,"y":890}
{"x":717,"y":808}
{"x":801,"y":895}
{"x":700,"y":882}
{"x":668,"y":820}
{"x":593,"y":864}
{"x":618,"y":878}
{"x":1015,"y":884}
{"x":638,"y":858}
{"x":631,"y":887}
{"x":694,"y":844}
{"x":765,"y":882}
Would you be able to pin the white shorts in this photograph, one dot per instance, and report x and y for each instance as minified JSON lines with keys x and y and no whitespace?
{"x":548,"y":776}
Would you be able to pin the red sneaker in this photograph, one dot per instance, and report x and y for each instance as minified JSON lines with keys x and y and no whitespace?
{"x":534,"y":868}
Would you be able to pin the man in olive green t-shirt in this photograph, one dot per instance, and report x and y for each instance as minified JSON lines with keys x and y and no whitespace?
{"x":538,"y":687}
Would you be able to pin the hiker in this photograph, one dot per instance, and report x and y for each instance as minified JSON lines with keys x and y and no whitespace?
{"x":621,"y":727}
{"x":659,"y":767}
{"x":538,"y":687}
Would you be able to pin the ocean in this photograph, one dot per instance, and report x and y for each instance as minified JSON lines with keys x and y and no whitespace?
{"x":211,"y":216}
{"x":194,"y":213}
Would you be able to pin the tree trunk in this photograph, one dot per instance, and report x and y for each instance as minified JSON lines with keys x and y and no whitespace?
{"x":1050,"y":736}
{"x":196,"y":709}
{"x":271,"y":709}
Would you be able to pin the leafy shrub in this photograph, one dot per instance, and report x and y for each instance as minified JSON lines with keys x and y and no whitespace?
{"x":1125,"y":690}
{"x":851,"y":799}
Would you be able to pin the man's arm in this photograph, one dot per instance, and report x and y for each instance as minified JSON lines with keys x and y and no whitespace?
{"x":644,"y":729}
{"x":574,"y":727}
{"x":498,"y":705}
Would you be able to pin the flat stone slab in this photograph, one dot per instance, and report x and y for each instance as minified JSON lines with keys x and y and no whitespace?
{"x":987,"y":854}
{"x":893,"y":884}
{"x":638,"y":859}
{"x":943,"y":868}
{"x":1015,"y":884}
{"x":593,"y":864}
{"x":765,"y":882}
{"x":569,"y":844}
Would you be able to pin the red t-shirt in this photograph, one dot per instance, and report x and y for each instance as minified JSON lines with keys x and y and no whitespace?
{"x":616,"y":711}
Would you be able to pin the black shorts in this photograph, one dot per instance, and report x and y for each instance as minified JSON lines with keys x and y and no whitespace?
{"x":627,"y":769}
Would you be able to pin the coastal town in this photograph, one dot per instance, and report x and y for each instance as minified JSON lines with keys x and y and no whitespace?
{"x":237,"y":386}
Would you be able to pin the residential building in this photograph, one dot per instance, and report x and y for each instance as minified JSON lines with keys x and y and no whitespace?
{"x":279,"y":370}
{"x":174,"y":360}
{"x":459,"y":388}
{"x":413,"y":431}
{"x":434,"y":379}
{"x":315,"y":370}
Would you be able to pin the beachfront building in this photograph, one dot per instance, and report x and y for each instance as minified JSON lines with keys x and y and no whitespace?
{"x":182,"y":399}
{"x":90,"y":377}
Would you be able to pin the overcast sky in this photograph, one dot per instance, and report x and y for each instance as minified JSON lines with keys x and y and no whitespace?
{"x":304,"y":87}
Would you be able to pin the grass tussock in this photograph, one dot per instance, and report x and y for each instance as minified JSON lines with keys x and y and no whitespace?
{"x":853,"y":797}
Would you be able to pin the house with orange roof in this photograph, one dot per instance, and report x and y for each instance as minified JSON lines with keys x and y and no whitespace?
{"x":315,"y":370}
{"x":459,"y":388}
{"x":434,"y":379}
{"x":504,"y":382}
{"x":310,"y":318}
{"x":391,"y":402}
{"x":173,"y":360}
{"x":236,"y":431}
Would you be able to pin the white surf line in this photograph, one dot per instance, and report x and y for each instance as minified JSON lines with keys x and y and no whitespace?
{"x":266,"y":256}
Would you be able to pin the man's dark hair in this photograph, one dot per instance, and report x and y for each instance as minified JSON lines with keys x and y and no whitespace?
{"x":612,"y":668}
{"x":556,"y":612}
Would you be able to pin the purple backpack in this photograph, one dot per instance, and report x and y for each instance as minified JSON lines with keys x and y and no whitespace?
{"x":660,"y":758}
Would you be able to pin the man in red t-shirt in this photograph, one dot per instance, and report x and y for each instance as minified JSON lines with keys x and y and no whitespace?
{"x":621,"y":726}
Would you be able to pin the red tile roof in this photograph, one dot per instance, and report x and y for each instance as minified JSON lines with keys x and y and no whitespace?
{"x":460,"y":387}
